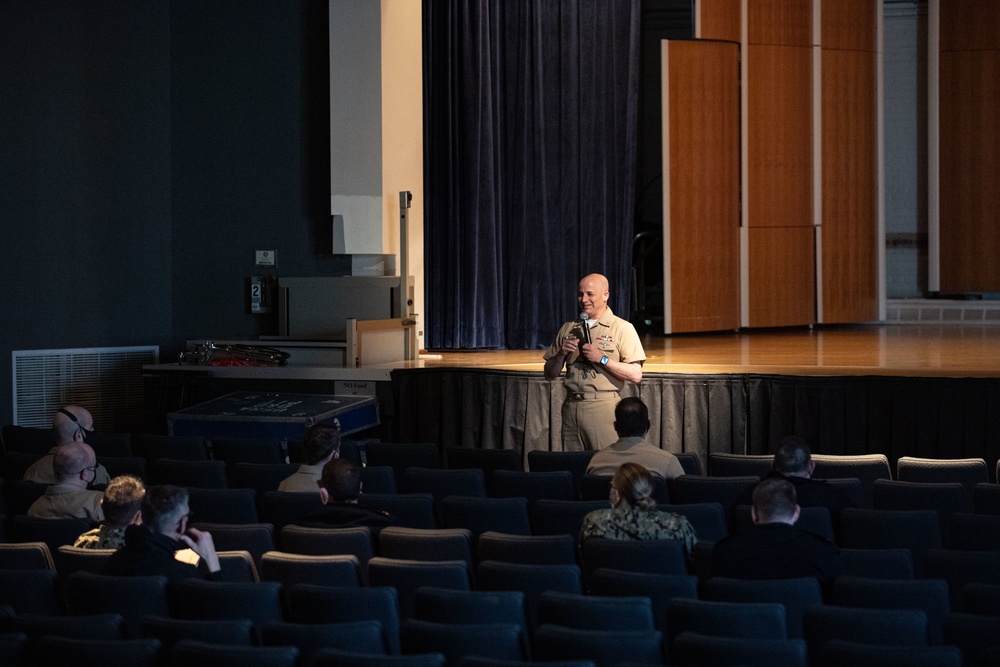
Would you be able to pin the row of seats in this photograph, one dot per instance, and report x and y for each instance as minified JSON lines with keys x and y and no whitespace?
{"x":628,"y":617}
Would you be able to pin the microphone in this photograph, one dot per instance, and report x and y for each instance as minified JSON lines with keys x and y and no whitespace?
{"x":585,"y":327}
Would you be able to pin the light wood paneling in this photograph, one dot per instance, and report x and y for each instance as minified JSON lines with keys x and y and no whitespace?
{"x":848,"y":24}
{"x":780,"y":136}
{"x":702,"y":214}
{"x":969,"y":25}
{"x":720,"y":19}
{"x":780,"y":22}
{"x":850,"y":179}
{"x":970,"y":171}
{"x":782,"y":276}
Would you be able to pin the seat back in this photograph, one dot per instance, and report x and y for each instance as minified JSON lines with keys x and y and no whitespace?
{"x":206,"y":600}
{"x":248,"y":450}
{"x":290,"y":569}
{"x":864,"y":467}
{"x":494,"y":640}
{"x":916,"y":530}
{"x":598,"y":487}
{"x":25,"y":556}
{"x":692,"y":648}
{"x":440,"y":605}
{"x":479,"y":515}
{"x":400,"y":456}
{"x":66,"y":651}
{"x":760,"y":620}
{"x":224,"y":505}
{"x":355,"y":541}
{"x":261,"y":477}
{"x":887,"y":627}
{"x":413,"y":510}
{"x":70,"y":559}
{"x":532,"y":580}
{"x":152,"y":447}
{"x":723,"y":490}
{"x":378,"y":479}
{"x":53,"y":532}
{"x":708,"y":519}
{"x":878,"y":563}
{"x":594,"y":612}
{"x":967,"y":472}
{"x":256,"y":538}
{"x":561,"y":517}
{"x":930,"y":595}
{"x":27,"y":439}
{"x":652,"y":556}
{"x":554,"y":485}
{"x":442,"y":483}
{"x":528,"y":549}
{"x":278,"y":508}
{"x":313,"y":603}
{"x":406,"y":576}
{"x":796,"y":595}
{"x":487,"y":460}
{"x":132,"y":597}
{"x":440,"y":544}
{"x":605,"y":647}
{"x":189,"y":474}
{"x":721,"y":464}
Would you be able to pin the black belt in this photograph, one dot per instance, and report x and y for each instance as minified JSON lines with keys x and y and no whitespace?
{"x":588,"y":395}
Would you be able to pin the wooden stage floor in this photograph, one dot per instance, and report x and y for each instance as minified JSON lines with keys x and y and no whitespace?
{"x":905,"y":350}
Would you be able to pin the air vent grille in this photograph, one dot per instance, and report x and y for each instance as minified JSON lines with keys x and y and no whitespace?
{"x":107,"y":381}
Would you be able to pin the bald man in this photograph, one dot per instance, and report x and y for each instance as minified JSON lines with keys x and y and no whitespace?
{"x":70,"y":424}
{"x":74,"y":465}
{"x":595,"y":371}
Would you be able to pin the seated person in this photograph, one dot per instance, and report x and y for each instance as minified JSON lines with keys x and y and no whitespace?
{"x":633,"y":514}
{"x":121,"y":503}
{"x":321,"y":443}
{"x":68,"y":498}
{"x":163,"y":543}
{"x":632,"y":425}
{"x":70,"y":424}
{"x":793,"y":462}
{"x":774,"y":548}
{"x":339,"y":489}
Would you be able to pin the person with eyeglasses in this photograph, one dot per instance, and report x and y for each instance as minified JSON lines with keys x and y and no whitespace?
{"x":75,"y":466}
{"x":70,"y":424}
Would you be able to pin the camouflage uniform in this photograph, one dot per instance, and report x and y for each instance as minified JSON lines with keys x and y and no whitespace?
{"x":101,"y":538}
{"x":631,"y":523}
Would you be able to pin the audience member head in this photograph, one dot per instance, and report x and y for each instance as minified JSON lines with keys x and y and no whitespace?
{"x":72,"y":424}
{"x":165,"y":510}
{"x":774,"y":502}
{"x":632,"y":485}
{"x":631,"y":418}
{"x":74,"y":464}
{"x":321,"y":443}
{"x":340,"y":483}
{"x":792,"y":458}
{"x":122,"y":501}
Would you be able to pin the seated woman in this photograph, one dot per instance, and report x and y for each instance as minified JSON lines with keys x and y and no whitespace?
{"x":633,"y":514}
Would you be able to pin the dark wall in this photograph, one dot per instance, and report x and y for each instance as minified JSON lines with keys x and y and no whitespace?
{"x":148,"y":148}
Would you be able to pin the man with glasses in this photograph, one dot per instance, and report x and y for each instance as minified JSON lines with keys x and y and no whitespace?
{"x":75,"y":466}
{"x":70,"y":424}
{"x":164,"y":543}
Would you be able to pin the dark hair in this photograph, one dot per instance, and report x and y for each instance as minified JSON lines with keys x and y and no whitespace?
{"x":342,"y":480}
{"x":122,"y":500}
{"x":774,"y":499}
{"x":161,"y":506}
{"x":631,"y":417}
{"x":319,"y":441}
{"x":635,"y":485}
{"x":792,"y":456}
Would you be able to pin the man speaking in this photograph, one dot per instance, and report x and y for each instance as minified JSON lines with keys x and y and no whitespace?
{"x":600,"y":352}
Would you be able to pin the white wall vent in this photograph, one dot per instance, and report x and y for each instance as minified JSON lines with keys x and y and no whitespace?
{"x":942,"y":311}
{"x":105,"y":380}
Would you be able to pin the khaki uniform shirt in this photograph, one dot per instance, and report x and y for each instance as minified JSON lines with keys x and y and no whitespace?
{"x":615,"y":337}
{"x":40,"y":472}
{"x":65,"y":501}
{"x":635,"y":450}
{"x":305,"y":479}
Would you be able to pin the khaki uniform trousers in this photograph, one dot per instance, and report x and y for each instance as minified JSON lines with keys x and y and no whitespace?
{"x":588,"y":420}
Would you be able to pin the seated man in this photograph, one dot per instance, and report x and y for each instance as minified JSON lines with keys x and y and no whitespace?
{"x":339,"y":489}
{"x":74,"y":465}
{"x":321,"y":443}
{"x":632,"y":425}
{"x":163,"y":542}
{"x":121,"y":503}
{"x":70,"y":425}
{"x":774,"y":548}
{"x":793,"y":462}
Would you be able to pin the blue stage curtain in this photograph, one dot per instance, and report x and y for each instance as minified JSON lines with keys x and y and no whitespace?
{"x":530,"y":110}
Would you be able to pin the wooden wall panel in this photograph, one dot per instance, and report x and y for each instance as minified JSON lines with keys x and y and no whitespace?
{"x":850,"y":179}
{"x":780,"y":136}
{"x":782,"y":276}
{"x":970,"y":25}
{"x":848,"y":24}
{"x":780,"y":22}
{"x":702,"y":214}
{"x":970,"y":170}
{"x":720,"y":19}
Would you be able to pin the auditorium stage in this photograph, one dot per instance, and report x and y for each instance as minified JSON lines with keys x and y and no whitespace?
{"x":902,"y":389}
